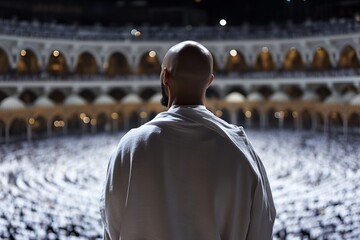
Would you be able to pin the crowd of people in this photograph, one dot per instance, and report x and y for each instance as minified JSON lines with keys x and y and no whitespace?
{"x":98,"y":32}
{"x":50,"y":189}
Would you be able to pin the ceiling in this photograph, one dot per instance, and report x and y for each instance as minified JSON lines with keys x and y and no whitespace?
{"x":178,"y":13}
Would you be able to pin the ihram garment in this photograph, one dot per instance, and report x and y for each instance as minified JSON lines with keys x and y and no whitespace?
{"x":186,"y":175}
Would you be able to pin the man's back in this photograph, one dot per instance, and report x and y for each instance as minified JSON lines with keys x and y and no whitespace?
{"x":187,"y":175}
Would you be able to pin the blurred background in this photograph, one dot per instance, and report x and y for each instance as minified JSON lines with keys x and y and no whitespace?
{"x":77,"y":75}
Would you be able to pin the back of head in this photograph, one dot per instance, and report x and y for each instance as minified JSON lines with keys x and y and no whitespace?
{"x":189,"y":63}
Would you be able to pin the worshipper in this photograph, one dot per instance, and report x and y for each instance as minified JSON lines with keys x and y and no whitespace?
{"x":186,"y":174}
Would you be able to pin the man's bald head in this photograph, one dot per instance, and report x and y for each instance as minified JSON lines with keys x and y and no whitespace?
{"x":189,"y":66}
{"x":189,"y":61}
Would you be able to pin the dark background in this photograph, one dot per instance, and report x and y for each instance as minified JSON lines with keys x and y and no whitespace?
{"x":177,"y":13}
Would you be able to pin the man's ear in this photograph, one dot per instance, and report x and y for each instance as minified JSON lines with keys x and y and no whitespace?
{"x":211,"y":80}
{"x":166,"y":77}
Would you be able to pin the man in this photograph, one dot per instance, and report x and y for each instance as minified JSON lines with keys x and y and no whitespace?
{"x":186,"y":175}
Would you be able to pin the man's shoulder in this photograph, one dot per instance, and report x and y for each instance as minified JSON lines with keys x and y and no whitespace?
{"x":139,"y":135}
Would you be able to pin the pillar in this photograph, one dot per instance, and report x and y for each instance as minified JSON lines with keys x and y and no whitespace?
{"x":126,"y":123}
{"x":345,"y":127}
{"x":7,"y":134}
{"x":48,"y":129}
{"x":29,"y":132}
{"x":233,"y":117}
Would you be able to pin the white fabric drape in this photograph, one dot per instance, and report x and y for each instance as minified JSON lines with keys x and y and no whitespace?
{"x":186,"y":175}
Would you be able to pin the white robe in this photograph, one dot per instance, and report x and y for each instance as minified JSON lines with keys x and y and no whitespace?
{"x":186,"y":175}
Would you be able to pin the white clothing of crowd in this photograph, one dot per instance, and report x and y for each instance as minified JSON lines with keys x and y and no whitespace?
{"x":50,"y":189}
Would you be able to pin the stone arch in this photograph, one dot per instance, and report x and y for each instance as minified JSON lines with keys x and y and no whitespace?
{"x":28,"y":96}
{"x":323,"y":92}
{"x":28,"y":63}
{"x":319,"y":121}
{"x":237,"y":89}
{"x":293,"y":60}
{"x":117,"y":64}
{"x":294,"y":91}
{"x":39,"y":128}
{"x":3,"y":95}
{"x":306,"y":119}
{"x":265,"y":91}
{"x":57,"y":95}
{"x":354,"y":122}
{"x":86,"y":64}
{"x":118,"y":120}
{"x":264,"y":61}
{"x":348,"y":88}
{"x":79,"y":123}
{"x":236,"y":62}
{"x":321,"y":60}
{"x":87,"y":94}
{"x":335,"y":121}
{"x":348,"y":58}
{"x":18,"y":129}
{"x":149,"y":64}
{"x":57,"y":64}
{"x":147,"y":93}
{"x":288,"y":119}
{"x":212,"y":93}
{"x":5,"y":66}
{"x":117,"y":93}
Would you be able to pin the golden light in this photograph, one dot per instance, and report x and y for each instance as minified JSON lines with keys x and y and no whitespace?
{"x":248,"y":114}
{"x":152,"y":54}
{"x":56,"y":53}
{"x":23,"y":53}
{"x":93,"y":121}
{"x":82,"y":116}
{"x":281,"y":114}
{"x":233,"y":53}
{"x":218,"y":113}
{"x":114,"y":115}
{"x":143,"y":114}
{"x":137,"y":34}
{"x":31,"y":121}
{"x":59,"y":124}
{"x":295,"y":114}
{"x":265,"y":49}
{"x":86,"y":120}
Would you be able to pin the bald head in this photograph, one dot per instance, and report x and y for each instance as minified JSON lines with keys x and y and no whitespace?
{"x":187,"y":70}
{"x":189,"y":61}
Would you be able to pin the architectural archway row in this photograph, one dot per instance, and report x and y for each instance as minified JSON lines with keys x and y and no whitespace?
{"x":118,"y":63}
{"x":35,"y":122}
{"x":59,"y":95}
